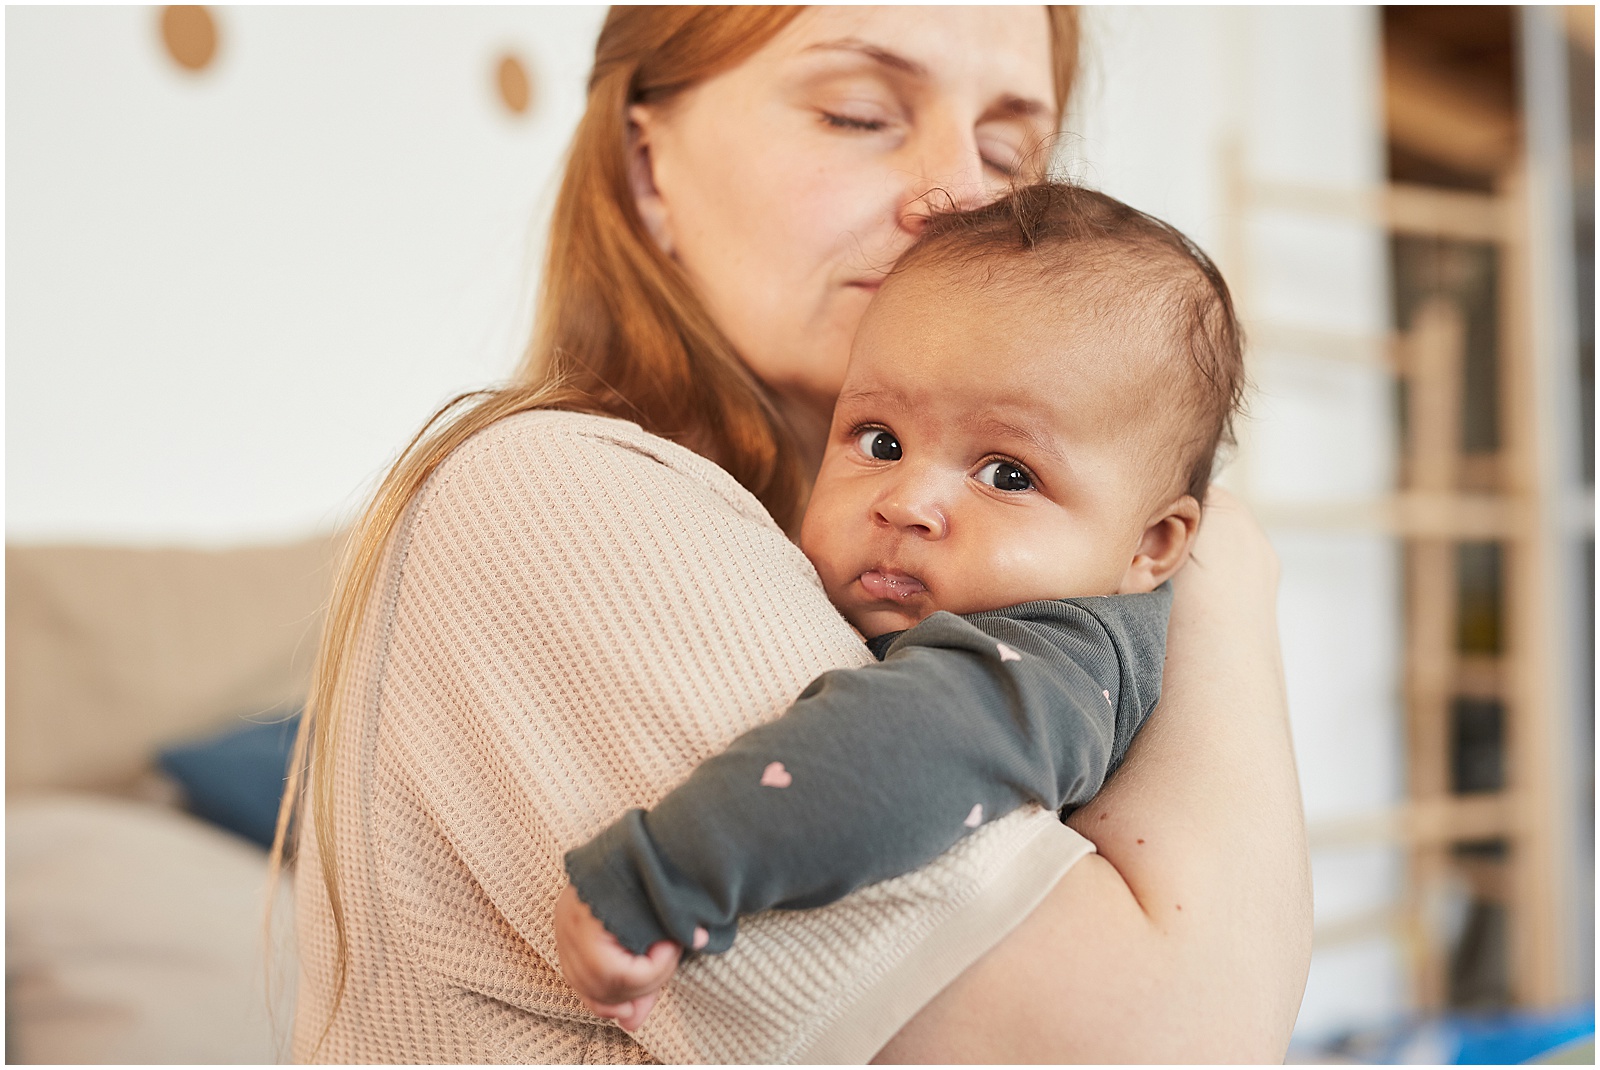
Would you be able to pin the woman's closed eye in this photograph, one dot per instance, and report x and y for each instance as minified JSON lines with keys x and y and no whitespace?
{"x":1005,"y":475}
{"x":1001,"y":156}
{"x":842,"y":121}
{"x":878,"y":444}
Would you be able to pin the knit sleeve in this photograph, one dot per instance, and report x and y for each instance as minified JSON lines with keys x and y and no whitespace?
{"x":584,"y":614}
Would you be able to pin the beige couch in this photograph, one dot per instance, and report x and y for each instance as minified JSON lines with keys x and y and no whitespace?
{"x":134,"y":932}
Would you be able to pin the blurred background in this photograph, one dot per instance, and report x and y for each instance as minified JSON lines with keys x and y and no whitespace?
{"x":250,"y":250}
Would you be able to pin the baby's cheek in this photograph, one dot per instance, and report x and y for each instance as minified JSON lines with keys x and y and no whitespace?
{"x":829,"y":529}
{"x":961,"y":586}
{"x":821,"y":550}
{"x":1034,"y":568}
{"x":812,"y":541}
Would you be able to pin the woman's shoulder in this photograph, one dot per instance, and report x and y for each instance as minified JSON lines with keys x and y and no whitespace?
{"x":555,"y":491}
{"x":601,"y":461}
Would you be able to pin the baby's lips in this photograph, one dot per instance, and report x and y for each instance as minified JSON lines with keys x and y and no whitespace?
{"x":896,"y":586}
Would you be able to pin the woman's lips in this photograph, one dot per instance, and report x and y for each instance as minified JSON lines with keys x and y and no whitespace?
{"x":891,"y":585}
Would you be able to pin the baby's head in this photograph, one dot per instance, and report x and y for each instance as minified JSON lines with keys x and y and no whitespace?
{"x":1032,"y":408}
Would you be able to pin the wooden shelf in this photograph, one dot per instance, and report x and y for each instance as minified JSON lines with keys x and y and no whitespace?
{"x":1351,"y":930}
{"x":1277,"y":340}
{"x":1479,"y":676}
{"x":1447,"y":498}
{"x":1437,"y":822}
{"x":1402,"y":209}
{"x":1411,"y":514}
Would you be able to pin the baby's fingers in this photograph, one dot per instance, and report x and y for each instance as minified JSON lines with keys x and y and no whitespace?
{"x":631,"y":987}
{"x":628,"y":976}
{"x":657,"y":963}
{"x":608,"y":1010}
{"x":636,"y":1012}
{"x":606,"y":976}
{"x":630,"y":1015}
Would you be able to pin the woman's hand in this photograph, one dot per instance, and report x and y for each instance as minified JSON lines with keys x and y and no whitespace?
{"x":611,"y":981}
{"x":1187,"y":936}
{"x":1231,"y":554}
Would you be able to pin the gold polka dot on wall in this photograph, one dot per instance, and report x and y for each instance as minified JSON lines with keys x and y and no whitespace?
{"x":511,"y":78}
{"x":190,"y":35}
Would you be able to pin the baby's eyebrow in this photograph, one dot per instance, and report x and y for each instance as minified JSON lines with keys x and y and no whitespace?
{"x":876,"y":397}
{"x":988,"y":424}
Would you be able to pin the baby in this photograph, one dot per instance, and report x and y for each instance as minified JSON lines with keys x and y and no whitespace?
{"x":1015,"y":468}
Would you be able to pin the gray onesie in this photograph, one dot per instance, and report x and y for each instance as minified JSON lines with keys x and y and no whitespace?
{"x":878,"y":770}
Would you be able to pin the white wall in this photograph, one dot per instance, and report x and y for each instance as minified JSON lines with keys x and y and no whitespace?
{"x":232,"y":296}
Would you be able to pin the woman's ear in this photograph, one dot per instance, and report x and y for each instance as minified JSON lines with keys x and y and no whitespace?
{"x":1163,"y":548}
{"x":641,"y":176}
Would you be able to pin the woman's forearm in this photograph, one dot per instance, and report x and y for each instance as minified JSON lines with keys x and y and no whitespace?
{"x":1205,"y":826}
{"x":1188,"y":937}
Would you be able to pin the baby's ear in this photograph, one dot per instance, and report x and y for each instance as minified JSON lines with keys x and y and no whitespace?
{"x":1164,"y":547}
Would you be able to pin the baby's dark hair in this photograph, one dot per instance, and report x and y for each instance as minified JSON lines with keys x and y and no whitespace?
{"x":1118,"y":260}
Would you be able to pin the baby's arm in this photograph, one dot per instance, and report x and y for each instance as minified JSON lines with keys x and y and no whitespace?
{"x":876,"y":771}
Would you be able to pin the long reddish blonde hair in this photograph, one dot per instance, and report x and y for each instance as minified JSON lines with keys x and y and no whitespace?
{"x":619,"y":332}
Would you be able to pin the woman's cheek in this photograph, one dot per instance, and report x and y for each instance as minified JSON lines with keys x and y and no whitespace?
{"x":843,"y":205}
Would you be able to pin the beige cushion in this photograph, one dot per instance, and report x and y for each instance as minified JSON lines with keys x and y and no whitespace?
{"x":135,"y":934}
{"x":111,"y":652}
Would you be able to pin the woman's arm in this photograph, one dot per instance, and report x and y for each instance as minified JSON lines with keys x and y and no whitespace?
{"x":1188,"y":938}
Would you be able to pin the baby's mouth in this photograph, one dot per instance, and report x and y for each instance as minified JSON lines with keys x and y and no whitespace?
{"x":891,"y":585}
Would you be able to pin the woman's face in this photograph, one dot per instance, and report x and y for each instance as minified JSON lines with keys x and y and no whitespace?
{"x":787,"y":186}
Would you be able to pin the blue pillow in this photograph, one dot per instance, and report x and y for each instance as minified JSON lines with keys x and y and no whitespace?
{"x":235,"y":778}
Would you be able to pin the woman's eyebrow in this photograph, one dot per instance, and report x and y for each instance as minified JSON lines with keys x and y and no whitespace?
{"x":1014,"y":107}
{"x":882,"y":56}
{"x":1008,"y":107}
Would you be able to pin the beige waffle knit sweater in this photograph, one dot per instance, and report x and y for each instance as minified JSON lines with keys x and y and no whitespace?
{"x":571,"y":615}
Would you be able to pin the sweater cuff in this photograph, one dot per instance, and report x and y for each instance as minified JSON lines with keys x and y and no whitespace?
{"x":637,"y":894}
{"x":604,"y":878}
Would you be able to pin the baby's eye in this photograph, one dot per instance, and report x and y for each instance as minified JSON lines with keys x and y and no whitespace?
{"x":879,"y":444}
{"x":1004,"y":475}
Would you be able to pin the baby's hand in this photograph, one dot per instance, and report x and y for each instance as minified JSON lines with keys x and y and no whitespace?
{"x":612,"y":981}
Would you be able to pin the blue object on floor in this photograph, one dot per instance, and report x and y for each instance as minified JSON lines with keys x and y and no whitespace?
{"x":1460,"y":1038}
{"x":1516,"y":1037}
{"x":235,"y":778}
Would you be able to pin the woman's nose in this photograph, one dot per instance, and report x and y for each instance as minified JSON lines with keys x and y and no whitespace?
{"x":948,"y":174}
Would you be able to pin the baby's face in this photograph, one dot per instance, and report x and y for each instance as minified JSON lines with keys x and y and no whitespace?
{"x":983,"y":453}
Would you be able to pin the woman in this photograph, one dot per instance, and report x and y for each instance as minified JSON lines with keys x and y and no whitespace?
{"x":549,"y":614}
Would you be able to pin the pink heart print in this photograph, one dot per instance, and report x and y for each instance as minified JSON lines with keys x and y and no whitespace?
{"x":1107,"y":694}
{"x":776,"y":776}
{"x":975,"y":818}
{"x":701,"y":937}
{"x":1006,"y":653}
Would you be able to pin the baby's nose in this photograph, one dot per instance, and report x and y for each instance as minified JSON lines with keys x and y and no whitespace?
{"x":915,"y":514}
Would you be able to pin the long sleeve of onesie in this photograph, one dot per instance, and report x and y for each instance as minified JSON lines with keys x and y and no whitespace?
{"x":878,"y":770}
